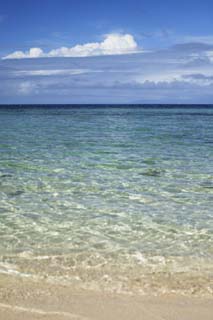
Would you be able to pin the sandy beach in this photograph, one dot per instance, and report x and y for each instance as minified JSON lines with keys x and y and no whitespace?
{"x":22,"y":299}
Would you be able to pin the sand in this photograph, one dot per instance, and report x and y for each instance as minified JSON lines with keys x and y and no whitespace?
{"x":23,"y":299}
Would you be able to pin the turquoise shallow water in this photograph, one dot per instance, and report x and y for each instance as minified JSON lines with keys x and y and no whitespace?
{"x":115,"y":198}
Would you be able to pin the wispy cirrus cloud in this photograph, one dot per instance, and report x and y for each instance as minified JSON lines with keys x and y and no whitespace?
{"x":198,"y":39}
{"x":198,"y":76}
{"x":111,"y":45}
{"x":51,"y":72}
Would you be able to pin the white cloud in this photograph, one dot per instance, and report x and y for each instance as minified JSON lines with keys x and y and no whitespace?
{"x":32,"y":53}
{"x":210,"y":55}
{"x":112,"y":44}
{"x":26,"y":87}
{"x":51,"y":72}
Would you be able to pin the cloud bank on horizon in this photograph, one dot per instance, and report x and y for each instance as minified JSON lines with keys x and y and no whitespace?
{"x":109,"y":72}
{"x":113,"y":44}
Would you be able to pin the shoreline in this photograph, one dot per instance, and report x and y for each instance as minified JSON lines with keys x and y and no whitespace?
{"x":22,"y":299}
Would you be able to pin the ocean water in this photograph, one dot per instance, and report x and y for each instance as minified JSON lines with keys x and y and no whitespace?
{"x":108,"y":198}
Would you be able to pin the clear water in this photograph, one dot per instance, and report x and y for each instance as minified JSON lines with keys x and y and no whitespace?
{"x":114,"y":198}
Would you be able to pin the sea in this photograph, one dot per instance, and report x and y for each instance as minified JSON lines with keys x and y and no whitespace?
{"x":108,"y":197}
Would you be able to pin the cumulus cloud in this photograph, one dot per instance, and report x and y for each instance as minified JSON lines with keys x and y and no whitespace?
{"x":112,"y":44}
{"x":32,"y":53}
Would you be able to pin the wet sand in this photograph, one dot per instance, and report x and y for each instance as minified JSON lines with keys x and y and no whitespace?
{"x":23,"y":299}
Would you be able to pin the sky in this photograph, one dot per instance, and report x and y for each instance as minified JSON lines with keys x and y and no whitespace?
{"x":58,"y":51}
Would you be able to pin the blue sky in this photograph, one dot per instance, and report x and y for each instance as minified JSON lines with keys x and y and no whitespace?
{"x":106,"y":51}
